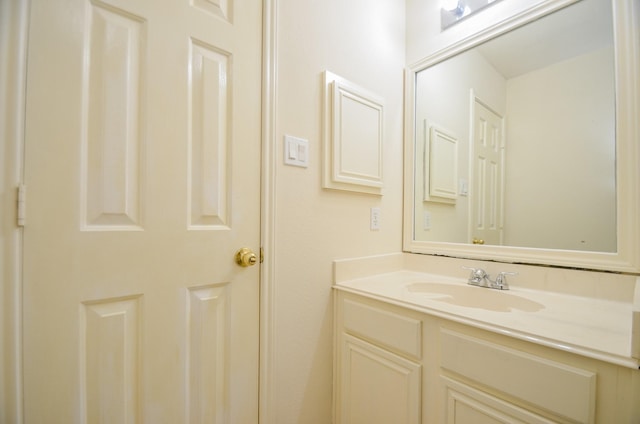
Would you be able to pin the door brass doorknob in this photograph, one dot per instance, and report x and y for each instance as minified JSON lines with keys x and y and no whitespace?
{"x":478,"y":241}
{"x":245,"y":257}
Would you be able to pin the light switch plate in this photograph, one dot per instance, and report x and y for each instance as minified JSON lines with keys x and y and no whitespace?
{"x":463,"y":187}
{"x":296,"y":151}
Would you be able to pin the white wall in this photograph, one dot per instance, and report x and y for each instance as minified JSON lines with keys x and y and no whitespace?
{"x":363,"y":41}
{"x":567,"y":109}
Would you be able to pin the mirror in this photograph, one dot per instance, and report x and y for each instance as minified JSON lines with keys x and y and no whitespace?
{"x":516,"y":137}
{"x":521,"y":107}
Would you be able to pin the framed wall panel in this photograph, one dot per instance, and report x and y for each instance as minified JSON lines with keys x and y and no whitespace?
{"x":353,"y":137}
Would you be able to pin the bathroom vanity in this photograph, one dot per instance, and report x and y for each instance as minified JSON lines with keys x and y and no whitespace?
{"x":415,"y":347}
{"x":506,"y":189}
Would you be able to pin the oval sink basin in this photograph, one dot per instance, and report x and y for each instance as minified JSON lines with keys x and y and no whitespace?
{"x":474,"y":297}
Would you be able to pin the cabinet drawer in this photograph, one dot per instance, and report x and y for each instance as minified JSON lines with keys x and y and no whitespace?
{"x":391,"y":330}
{"x":558,"y":388}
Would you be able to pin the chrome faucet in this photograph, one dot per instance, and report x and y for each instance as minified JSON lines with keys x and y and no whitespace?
{"x":480,"y":278}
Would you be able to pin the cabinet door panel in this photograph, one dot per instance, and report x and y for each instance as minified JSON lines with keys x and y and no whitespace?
{"x":466,"y":405}
{"x":549,"y":385}
{"x":377,"y":386}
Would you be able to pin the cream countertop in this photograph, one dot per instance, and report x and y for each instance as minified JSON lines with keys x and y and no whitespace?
{"x":592,"y":327}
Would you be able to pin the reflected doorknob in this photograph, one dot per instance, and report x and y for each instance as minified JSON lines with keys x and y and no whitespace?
{"x":245,"y":257}
{"x":478,"y":241}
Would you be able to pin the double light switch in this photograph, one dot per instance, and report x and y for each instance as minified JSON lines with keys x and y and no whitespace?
{"x":296,"y":151}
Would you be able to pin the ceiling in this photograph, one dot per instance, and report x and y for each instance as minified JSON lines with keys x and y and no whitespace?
{"x":577,"y":29}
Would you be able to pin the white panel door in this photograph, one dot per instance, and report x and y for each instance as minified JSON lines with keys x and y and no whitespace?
{"x":488,"y":171}
{"x":142,"y":172}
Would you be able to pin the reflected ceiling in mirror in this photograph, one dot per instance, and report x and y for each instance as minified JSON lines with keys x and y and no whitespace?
{"x":520,"y":130}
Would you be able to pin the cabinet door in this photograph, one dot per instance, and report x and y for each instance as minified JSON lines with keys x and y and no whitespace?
{"x":467,"y":405}
{"x":376,"y":386}
{"x":562,"y":390}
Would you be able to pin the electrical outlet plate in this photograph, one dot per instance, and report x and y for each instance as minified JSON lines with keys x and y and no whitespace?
{"x":375,"y":219}
{"x":426,"y":220}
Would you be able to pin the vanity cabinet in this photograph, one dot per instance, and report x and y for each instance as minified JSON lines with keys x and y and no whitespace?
{"x":400,"y":365}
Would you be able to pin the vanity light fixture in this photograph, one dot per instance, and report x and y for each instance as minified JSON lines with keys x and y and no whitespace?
{"x":452,"y":11}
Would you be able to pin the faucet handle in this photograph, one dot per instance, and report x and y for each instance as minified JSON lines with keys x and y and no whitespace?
{"x":478,"y":277}
{"x":501,"y":280}
{"x":476,"y":272}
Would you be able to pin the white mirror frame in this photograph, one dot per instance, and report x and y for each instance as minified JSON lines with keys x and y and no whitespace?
{"x":626,"y":15}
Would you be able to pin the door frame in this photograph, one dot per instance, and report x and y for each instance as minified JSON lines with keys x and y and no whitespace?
{"x":14,"y":16}
{"x":14,"y":24}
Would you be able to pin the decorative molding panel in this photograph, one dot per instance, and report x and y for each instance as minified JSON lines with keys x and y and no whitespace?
{"x":208,"y":320}
{"x":441,"y":165}
{"x":220,"y":8}
{"x":353,"y":137}
{"x":113,"y":120}
{"x":210,"y":116}
{"x":110,"y":360}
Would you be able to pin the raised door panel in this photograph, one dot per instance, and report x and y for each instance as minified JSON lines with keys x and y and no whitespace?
{"x":110,"y":359}
{"x":113,"y":119}
{"x":210,"y":137}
